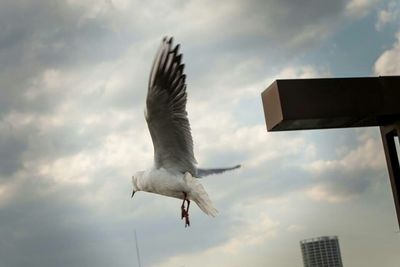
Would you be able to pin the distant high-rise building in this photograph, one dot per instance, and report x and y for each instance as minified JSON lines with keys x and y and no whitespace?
{"x":321,"y":251}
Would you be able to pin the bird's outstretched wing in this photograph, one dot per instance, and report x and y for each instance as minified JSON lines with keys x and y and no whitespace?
{"x":166,"y":112}
{"x":204,"y":172}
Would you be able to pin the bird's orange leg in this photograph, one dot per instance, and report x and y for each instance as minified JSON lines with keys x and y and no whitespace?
{"x":185,"y":212}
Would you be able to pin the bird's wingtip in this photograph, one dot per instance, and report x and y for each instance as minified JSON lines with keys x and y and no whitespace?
{"x":168,"y":39}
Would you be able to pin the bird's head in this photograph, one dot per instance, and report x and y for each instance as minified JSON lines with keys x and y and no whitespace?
{"x":136,"y":182}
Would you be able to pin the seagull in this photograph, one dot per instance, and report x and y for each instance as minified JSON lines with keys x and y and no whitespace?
{"x":174,"y":172}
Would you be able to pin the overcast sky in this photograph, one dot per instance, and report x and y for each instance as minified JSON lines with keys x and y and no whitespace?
{"x":73,"y":80}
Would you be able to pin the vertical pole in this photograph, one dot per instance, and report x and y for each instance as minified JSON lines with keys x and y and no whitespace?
{"x":137,"y":250}
{"x":388,"y":134}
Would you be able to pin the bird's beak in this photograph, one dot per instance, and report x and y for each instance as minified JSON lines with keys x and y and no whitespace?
{"x":133,"y":192}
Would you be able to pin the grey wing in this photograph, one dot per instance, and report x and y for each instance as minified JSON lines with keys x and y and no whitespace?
{"x":205,"y":172}
{"x":166,"y":114}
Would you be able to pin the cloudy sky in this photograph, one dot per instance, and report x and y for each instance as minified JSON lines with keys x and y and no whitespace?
{"x":73,"y":79}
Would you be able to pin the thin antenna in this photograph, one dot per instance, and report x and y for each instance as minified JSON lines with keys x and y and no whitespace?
{"x":137,"y":250}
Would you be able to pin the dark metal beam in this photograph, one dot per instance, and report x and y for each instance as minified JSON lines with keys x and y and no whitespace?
{"x":331,"y":103}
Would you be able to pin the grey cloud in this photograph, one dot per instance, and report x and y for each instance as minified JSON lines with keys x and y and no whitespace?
{"x":285,"y":19}
{"x":33,"y":142}
{"x":46,"y":229}
{"x":270,"y":181}
{"x":275,"y":25}
{"x":38,"y":35}
{"x":269,"y":33}
{"x":47,"y":224}
{"x":345,"y":184}
{"x":12,"y":145}
{"x":41,"y":35}
{"x":58,"y":35}
{"x":350,"y":177}
{"x":53,"y":33}
{"x":285,"y":175}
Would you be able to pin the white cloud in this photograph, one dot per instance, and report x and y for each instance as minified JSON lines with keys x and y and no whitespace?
{"x":253,"y":143}
{"x":303,"y":72}
{"x":295,"y":228}
{"x":350,"y":173}
{"x":386,"y":16}
{"x":365,"y":156}
{"x":6,"y":192}
{"x":250,"y":233}
{"x":322,"y":193}
{"x":388,"y":61}
{"x":360,"y":8}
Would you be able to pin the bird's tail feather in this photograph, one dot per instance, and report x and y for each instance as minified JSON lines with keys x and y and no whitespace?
{"x":205,"y":172}
{"x":204,"y":203}
{"x":200,"y":196}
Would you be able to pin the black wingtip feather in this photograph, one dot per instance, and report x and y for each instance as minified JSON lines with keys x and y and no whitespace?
{"x":176,"y":49}
{"x":167,"y":67}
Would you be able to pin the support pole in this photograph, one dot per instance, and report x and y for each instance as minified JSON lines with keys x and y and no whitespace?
{"x":137,"y":250}
{"x":388,"y":134}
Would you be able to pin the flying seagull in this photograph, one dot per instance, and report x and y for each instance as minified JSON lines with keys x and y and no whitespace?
{"x":174,"y":173}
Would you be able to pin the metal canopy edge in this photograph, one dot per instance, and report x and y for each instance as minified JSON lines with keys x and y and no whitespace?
{"x":299,"y":104}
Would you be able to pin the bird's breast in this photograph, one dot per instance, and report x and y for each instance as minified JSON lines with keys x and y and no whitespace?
{"x":165,"y":183}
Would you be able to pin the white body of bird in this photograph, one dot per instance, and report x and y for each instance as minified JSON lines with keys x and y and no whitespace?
{"x":163,"y":182}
